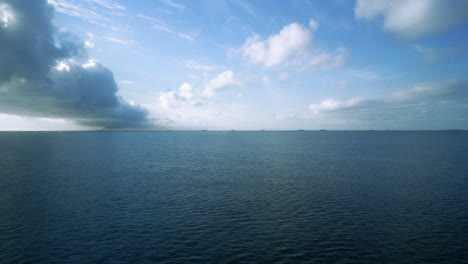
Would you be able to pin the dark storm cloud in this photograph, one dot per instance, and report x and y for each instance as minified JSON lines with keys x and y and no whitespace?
{"x":31,"y":83}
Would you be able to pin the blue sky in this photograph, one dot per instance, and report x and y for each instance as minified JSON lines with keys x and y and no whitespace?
{"x":237,"y":64}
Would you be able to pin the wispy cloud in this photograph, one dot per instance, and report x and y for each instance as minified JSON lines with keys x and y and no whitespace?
{"x":245,"y":6}
{"x":162,"y":26}
{"x":185,"y":36}
{"x":173,"y":4}
{"x":432,"y":56}
{"x":119,"y":41}
{"x":79,"y":9}
{"x":197,"y":66}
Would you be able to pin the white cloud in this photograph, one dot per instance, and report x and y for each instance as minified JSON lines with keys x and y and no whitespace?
{"x":292,"y":46}
{"x":367,"y":75}
{"x":221,"y":81}
{"x":292,"y":40}
{"x":151,"y":19}
{"x":174,"y":4}
{"x":176,"y":98}
{"x":286,"y":116}
{"x":415,"y":18}
{"x":125,"y":82}
{"x":197,"y":66}
{"x":108,"y":4}
{"x":410,"y":101}
{"x":246,"y":6}
{"x":6,"y":15}
{"x":332,"y":104}
{"x":430,"y":55}
{"x":168,"y":99}
{"x":314,"y":24}
{"x":159,"y":27}
{"x":186,"y":95}
{"x":185,"y":36}
{"x":185,"y":91}
{"x":283,"y":76}
{"x":80,"y":9}
{"x":120,"y":41}
{"x":327,"y":60}
{"x":339,"y":84}
{"x":88,"y":44}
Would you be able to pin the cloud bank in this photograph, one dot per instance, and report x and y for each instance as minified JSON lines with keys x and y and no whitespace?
{"x":45,"y":72}
{"x":416,"y":18}
{"x":438,"y":99}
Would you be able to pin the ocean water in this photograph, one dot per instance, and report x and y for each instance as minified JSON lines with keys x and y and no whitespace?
{"x":234,"y":197}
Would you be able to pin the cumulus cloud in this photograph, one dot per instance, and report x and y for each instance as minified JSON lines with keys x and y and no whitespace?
{"x":416,"y":18}
{"x":222,"y":80}
{"x":292,"y":45}
{"x":45,"y":73}
{"x":423,"y":98}
{"x":186,"y":95}
{"x":292,"y":40}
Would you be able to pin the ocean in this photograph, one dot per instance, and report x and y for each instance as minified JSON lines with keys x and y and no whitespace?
{"x":234,"y":197}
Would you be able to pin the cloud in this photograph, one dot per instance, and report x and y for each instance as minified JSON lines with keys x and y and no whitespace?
{"x":339,"y":84}
{"x":78,"y":9}
{"x":197,"y":66}
{"x":89,"y":44}
{"x":183,"y":95}
{"x":420,"y":100}
{"x":314,"y":24}
{"x":366,"y":75}
{"x":245,"y":6}
{"x":161,"y":26}
{"x":284,"y":76}
{"x":185,"y":91}
{"x":333,"y":105}
{"x":173,"y":4}
{"x":292,"y":40}
{"x":292,"y":46}
{"x":45,"y":73}
{"x":186,"y":95}
{"x":414,"y":19}
{"x":185,"y":36}
{"x":119,"y":41}
{"x":223,"y":80}
{"x":432,"y":56}
{"x":286,"y":116}
{"x":327,"y":60}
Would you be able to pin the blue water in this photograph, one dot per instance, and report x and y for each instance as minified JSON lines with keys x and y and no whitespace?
{"x":234,"y":197}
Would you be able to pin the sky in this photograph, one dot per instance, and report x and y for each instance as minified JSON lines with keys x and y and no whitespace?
{"x":233,"y":64}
